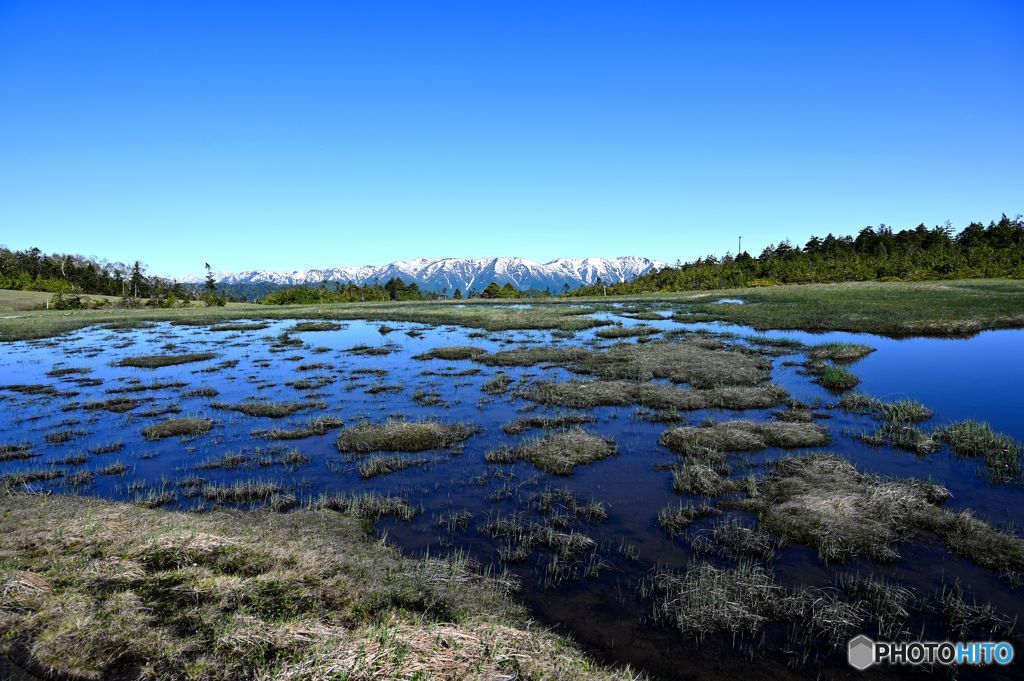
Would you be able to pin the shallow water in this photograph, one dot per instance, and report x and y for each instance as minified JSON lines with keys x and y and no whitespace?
{"x":977,"y":377}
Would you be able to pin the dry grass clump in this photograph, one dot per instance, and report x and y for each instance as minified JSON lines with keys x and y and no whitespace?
{"x":242,"y":492}
{"x":627,"y":331}
{"x":373,"y":350}
{"x":522,"y":537}
{"x":117,"y":468}
{"x":240,"y":326}
{"x":587,"y":394}
{"x":675,"y":518}
{"x":368,"y":506}
{"x":180,"y":427}
{"x":140,"y":387}
{"x":558,"y":453}
{"x":157,"y":361}
{"x":382,"y":465}
{"x":60,"y":372}
{"x":521,"y":425}
{"x":35,"y":389}
{"x":497,"y":384}
{"x":843,"y":353}
{"x":314,"y":426}
{"x":94,"y":589}
{"x":311,"y":382}
{"x":268,"y":409}
{"x":26,"y":477}
{"x":823,"y":501}
{"x":452,"y":353}
{"x":558,"y":501}
{"x":706,"y":599}
{"x":16,"y":451}
{"x":688,"y":361}
{"x":403,"y":436}
{"x":734,"y":539}
{"x":699,"y":478}
{"x":315,"y":326}
{"x":900,"y":411}
{"x":522,"y":357}
{"x":735,"y":436}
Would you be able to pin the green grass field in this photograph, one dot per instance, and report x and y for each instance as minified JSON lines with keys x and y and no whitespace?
{"x":953,"y":307}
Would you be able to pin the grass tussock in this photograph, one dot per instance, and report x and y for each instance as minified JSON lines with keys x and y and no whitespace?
{"x":94,"y":589}
{"x":268,"y":409}
{"x":701,"y":479}
{"x":735,"y":436}
{"x":315,"y":326}
{"x":627,"y":331}
{"x":178,"y":427}
{"x":240,"y":326}
{"x":403,"y":436}
{"x":675,"y":518}
{"x":452,"y":353}
{"x":1000,"y":453}
{"x":842,"y":353}
{"x":16,"y":451}
{"x":558,"y":453}
{"x":319,"y":425}
{"x":521,"y":425}
{"x":382,"y":465}
{"x":497,"y":384}
{"x":589,"y":394}
{"x":834,"y":378}
{"x":158,"y":361}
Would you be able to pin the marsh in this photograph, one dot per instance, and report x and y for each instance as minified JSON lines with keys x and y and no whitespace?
{"x":657,"y":466}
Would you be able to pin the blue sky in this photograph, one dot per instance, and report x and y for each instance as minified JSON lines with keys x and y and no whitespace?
{"x":306,"y":134}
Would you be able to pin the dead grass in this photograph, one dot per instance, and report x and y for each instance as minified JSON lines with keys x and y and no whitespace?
{"x":268,"y":409}
{"x":558,"y":453}
{"x":315,"y":326}
{"x":521,"y":425}
{"x":403,"y":436}
{"x":587,"y":394}
{"x":452,"y":353}
{"x":382,"y":465}
{"x":97,"y":590}
{"x":183,"y":427}
{"x":314,"y":426}
{"x":736,"y":436}
{"x":627,"y":331}
{"x":157,"y":361}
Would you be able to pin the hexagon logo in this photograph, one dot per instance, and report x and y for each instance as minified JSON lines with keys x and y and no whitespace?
{"x":860,"y":652}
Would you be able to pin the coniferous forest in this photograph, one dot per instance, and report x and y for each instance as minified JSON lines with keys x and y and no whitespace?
{"x":875,"y":254}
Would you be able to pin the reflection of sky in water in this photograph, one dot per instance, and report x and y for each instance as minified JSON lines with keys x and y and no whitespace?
{"x":963,"y":378}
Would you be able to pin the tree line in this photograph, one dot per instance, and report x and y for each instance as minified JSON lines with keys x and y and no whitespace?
{"x":393,"y":289}
{"x":874,"y":254}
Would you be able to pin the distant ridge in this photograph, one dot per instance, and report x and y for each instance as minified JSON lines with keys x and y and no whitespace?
{"x":448,"y":274}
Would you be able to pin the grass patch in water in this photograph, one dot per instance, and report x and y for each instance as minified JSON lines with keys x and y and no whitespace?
{"x":403,"y":436}
{"x":627,"y":331}
{"x":735,"y":436}
{"x":451,"y":353}
{"x":700,"y":479}
{"x":240,"y":326}
{"x":315,"y":326}
{"x":1000,"y":453}
{"x":842,"y":353}
{"x":587,"y":394}
{"x":558,"y":452}
{"x":315,"y":426}
{"x":158,"y":361}
{"x":268,"y":409}
{"x":179,"y":427}
{"x":525,"y":423}
{"x":382,"y":465}
{"x":497,"y":384}
{"x":836,"y":379}
{"x":675,"y":518}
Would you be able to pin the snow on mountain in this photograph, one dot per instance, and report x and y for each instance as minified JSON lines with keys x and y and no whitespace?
{"x":448,"y":274}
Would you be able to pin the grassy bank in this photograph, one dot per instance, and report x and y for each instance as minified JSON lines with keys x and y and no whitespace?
{"x":94,"y":589}
{"x":904,"y":308}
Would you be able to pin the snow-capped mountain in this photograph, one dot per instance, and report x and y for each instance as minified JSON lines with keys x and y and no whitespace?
{"x":448,"y":274}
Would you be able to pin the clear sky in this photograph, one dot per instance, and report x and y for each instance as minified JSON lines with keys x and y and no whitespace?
{"x":291,"y":135}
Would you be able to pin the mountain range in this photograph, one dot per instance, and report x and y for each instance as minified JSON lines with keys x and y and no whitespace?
{"x":448,"y":274}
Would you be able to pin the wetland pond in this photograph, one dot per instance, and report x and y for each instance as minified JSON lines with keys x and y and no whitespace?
{"x":688,"y":498}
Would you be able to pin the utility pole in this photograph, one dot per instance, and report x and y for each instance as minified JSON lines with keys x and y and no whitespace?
{"x":739,"y":249}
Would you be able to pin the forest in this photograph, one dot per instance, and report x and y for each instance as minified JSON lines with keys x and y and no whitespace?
{"x":875,"y":254}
